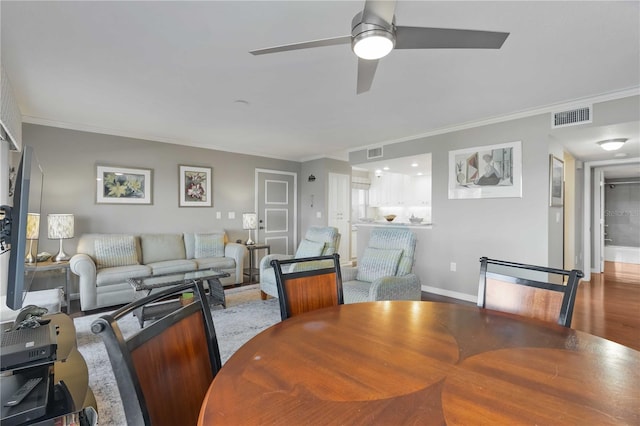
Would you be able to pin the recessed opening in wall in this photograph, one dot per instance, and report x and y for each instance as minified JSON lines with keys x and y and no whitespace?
{"x":399,"y":186}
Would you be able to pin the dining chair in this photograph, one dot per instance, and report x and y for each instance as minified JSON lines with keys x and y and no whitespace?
{"x":308,"y":283}
{"x":528,"y":290}
{"x":163,"y":371}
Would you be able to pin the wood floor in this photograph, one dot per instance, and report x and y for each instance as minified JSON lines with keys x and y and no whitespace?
{"x":607,"y":306}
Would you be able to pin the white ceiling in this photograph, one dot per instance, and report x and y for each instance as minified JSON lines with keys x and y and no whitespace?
{"x":180,"y":72}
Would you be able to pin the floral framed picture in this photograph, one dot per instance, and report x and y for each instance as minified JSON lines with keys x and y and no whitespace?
{"x":123,"y":185}
{"x":195,"y":186}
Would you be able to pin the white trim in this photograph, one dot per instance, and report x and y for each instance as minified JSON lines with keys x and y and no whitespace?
{"x":266,"y":220}
{"x":586,"y":208}
{"x":267,"y":240}
{"x":448,"y":293}
{"x":266,"y":192}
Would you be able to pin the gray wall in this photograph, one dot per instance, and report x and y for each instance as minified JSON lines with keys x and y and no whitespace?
{"x":514,"y":229}
{"x":69,"y":160}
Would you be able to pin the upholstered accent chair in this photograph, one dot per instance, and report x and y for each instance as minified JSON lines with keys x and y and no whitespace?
{"x":385,"y":270}
{"x":318,"y":241}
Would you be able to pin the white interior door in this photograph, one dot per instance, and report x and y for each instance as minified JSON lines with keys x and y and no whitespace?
{"x":276,"y":205}
{"x":339,"y":215}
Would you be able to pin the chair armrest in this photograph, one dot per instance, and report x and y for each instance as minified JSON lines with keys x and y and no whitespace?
{"x":265,"y":262}
{"x":236,"y":252}
{"x":406,"y":287}
{"x":349,"y":273}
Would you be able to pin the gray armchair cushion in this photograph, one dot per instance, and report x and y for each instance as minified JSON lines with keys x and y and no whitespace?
{"x":377,"y":263}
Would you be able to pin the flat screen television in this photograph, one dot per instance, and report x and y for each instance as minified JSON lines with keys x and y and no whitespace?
{"x":27,"y":198}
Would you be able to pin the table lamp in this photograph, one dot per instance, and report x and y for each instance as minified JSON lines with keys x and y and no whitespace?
{"x":33,"y":230}
{"x":250,"y":222}
{"x":60,"y":226}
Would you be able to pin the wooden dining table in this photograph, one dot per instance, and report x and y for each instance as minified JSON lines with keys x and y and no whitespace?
{"x":406,"y":362}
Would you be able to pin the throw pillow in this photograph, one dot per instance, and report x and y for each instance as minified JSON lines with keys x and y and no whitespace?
{"x":377,"y":263}
{"x":209,"y":245}
{"x":308,"y":248}
{"x":115,"y":250}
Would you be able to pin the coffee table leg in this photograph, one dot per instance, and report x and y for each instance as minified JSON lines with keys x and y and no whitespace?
{"x":216,"y":293}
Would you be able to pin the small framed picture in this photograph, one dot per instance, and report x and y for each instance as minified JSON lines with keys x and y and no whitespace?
{"x":556,"y":181}
{"x":195,"y":186}
{"x":123,"y":185}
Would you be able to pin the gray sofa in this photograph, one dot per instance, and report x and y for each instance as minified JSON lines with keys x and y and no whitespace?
{"x":104,"y":262}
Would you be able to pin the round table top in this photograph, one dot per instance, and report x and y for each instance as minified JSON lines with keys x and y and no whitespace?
{"x":398,"y":362}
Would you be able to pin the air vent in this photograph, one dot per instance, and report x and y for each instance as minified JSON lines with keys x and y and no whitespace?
{"x":374,"y":153}
{"x":571,"y":117}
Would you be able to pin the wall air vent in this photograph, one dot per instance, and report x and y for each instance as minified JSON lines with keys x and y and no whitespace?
{"x":571,"y":117}
{"x":374,"y":153}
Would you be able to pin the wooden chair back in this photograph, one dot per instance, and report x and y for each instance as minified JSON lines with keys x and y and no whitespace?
{"x":164,"y":370}
{"x":307,"y":284}
{"x":544,"y":300}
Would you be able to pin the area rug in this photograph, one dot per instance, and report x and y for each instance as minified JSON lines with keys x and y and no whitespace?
{"x":245,"y":316}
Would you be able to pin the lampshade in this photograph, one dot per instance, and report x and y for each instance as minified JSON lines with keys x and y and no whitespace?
{"x":373,"y":44}
{"x":60,"y":226}
{"x":612,"y":144}
{"x":249,"y":221}
{"x":33,"y":226}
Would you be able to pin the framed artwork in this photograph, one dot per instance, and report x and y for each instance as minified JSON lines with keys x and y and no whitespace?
{"x":556,"y":181}
{"x":123,"y":185}
{"x":195,"y":186}
{"x":492,"y":171}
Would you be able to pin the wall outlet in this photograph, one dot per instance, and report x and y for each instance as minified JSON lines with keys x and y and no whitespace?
{"x":319,"y":215}
{"x":232,"y":215}
{"x":218,"y":215}
{"x":452,"y":267}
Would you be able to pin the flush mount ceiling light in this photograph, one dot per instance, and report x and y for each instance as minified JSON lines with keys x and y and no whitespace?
{"x":612,"y":144}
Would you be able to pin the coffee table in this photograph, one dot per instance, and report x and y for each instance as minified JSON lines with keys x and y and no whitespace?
{"x":145,"y":285}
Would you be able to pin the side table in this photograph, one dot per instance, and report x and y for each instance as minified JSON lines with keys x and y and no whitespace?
{"x":252,"y":270}
{"x":52,"y":266}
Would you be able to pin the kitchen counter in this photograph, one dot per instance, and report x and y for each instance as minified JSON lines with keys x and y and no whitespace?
{"x":394,"y":223}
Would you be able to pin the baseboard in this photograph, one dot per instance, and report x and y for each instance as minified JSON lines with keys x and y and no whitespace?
{"x":453,"y":294}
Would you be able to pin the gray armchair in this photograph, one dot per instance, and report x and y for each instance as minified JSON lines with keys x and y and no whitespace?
{"x":384,"y":271}
{"x":318,"y":241}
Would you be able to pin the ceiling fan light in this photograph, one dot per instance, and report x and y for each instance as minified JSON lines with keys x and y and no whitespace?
{"x":612,"y":144}
{"x":374,"y":44}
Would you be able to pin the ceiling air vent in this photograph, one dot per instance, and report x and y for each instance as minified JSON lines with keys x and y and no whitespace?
{"x":571,"y":117}
{"x":374,"y":153}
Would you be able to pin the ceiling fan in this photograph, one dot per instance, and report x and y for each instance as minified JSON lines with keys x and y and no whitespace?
{"x":374,"y":34}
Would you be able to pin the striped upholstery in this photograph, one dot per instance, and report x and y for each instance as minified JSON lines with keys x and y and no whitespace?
{"x":394,"y":238}
{"x":209,"y":245}
{"x":377,"y":263}
{"x":115,"y":250}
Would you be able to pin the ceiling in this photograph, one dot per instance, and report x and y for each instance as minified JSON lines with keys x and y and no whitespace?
{"x":180,"y":72}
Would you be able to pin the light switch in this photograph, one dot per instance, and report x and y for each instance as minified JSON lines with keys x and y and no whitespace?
{"x":232,"y":215}
{"x":319,"y":215}
{"x":218,"y":215}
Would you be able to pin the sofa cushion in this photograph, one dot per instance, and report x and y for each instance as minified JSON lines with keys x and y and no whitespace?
{"x":171,"y":266}
{"x":216,"y":263}
{"x":209,"y":245}
{"x":161,"y":247}
{"x":308,"y":248}
{"x":377,"y":263}
{"x":119,"y":274}
{"x":115,"y":250}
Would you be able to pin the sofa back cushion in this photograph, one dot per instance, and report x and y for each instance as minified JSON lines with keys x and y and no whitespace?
{"x":161,"y":247}
{"x":209,"y":245}
{"x":115,"y":250}
{"x":190,"y":241}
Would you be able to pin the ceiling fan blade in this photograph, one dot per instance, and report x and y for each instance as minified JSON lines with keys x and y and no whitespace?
{"x":304,"y":45}
{"x":447,"y":38}
{"x":379,"y":9}
{"x":366,"y":71}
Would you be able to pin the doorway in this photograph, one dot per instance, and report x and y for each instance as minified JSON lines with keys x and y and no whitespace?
{"x":276,"y":205}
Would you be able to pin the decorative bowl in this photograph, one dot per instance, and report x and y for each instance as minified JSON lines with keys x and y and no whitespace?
{"x":415,"y":219}
{"x":390,"y":217}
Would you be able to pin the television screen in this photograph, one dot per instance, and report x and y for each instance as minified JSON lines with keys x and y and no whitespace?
{"x":26,"y":188}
